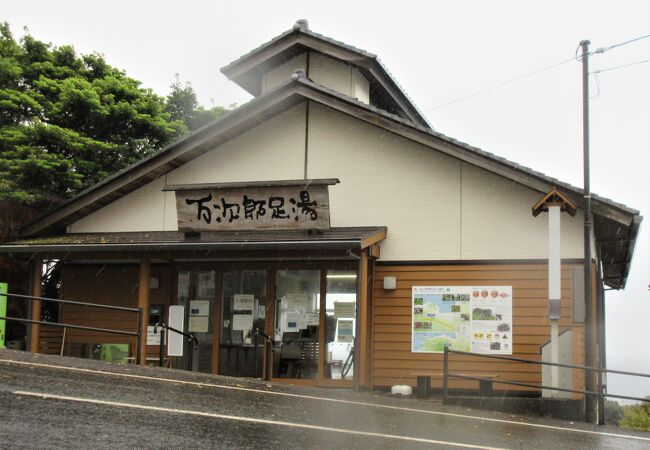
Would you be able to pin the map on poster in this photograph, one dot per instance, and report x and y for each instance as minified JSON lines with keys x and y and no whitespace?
{"x":469,"y":318}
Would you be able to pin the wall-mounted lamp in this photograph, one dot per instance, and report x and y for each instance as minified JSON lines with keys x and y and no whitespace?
{"x":390,"y":283}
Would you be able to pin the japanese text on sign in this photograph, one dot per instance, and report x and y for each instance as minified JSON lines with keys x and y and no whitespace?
{"x":255,"y":208}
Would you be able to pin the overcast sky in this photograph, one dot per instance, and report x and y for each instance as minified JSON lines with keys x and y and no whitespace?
{"x":438,"y":51}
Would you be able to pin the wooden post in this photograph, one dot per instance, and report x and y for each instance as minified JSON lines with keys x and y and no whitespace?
{"x":37,"y":291}
{"x":216,"y":322}
{"x":322,"y":327}
{"x":361,"y":364}
{"x":143,"y":302}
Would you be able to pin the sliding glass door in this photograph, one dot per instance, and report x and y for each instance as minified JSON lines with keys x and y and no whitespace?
{"x":297,"y":324}
{"x":243,"y":309}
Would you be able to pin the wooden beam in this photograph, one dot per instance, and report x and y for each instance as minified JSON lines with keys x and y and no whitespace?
{"x":269,"y":319}
{"x":37,"y":291}
{"x":216,"y":321}
{"x":361,"y":366}
{"x":143,"y":302}
{"x":322,"y":328}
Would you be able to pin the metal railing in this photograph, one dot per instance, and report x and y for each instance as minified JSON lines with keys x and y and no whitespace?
{"x":193,"y":350}
{"x":598,"y":370}
{"x":268,"y":351}
{"x":137,"y":334}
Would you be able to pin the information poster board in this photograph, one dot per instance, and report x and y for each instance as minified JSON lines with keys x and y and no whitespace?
{"x":470,"y":318}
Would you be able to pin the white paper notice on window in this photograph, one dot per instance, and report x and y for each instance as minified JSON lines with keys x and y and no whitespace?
{"x":345,"y":331}
{"x":295,"y":321}
{"x":297,"y":302}
{"x":344,"y":309}
{"x":243,"y":302}
{"x":312,"y":318}
{"x":153,"y":338}
{"x":198,"y":324}
{"x":242,"y":322}
{"x":199,"y":308}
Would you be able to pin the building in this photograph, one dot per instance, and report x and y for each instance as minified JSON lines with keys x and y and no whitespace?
{"x":328,"y":213}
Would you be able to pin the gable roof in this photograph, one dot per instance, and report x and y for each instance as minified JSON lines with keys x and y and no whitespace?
{"x":616,"y":225}
{"x":248,"y":69}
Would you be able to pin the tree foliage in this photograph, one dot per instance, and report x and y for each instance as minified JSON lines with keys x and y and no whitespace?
{"x":69,"y":120}
{"x":182,"y":105}
{"x":636,"y":417}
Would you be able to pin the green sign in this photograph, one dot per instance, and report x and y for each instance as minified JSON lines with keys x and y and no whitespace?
{"x":3,"y":313}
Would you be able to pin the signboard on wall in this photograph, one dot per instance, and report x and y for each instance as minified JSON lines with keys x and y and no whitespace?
{"x":277,"y":205}
{"x":470,"y":318}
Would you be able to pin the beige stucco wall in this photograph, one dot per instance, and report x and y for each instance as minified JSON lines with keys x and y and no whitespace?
{"x":274,"y":150}
{"x":435,"y":206}
{"x":282,"y":73}
{"x":497,"y":220}
{"x":387,"y":180}
{"x":326,"y":71}
{"x":434,"y":210}
{"x":338,"y":76}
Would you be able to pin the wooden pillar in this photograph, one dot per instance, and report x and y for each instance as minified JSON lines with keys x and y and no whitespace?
{"x":216,"y":322}
{"x":362,"y":365}
{"x":37,"y":291}
{"x":322,"y":328}
{"x":143,"y":302}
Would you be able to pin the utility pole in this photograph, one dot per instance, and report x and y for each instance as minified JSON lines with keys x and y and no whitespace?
{"x":589,"y":381}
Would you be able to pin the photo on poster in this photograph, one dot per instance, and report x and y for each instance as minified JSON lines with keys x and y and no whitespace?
{"x":464,"y":317}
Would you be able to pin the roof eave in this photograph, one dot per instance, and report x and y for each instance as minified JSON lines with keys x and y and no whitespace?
{"x":240,"y":70}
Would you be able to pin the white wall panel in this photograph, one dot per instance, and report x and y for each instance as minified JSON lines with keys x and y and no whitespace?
{"x":387,"y":180}
{"x":331,"y":73}
{"x":282,"y":73}
{"x":273,"y":150}
{"x":497,"y":220}
{"x":141,"y":210}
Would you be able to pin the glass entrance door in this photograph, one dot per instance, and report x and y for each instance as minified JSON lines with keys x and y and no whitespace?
{"x":243,"y":308}
{"x":196,"y":294}
{"x":297,"y":324}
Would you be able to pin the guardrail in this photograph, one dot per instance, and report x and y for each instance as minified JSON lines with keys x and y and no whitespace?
{"x":598,"y":370}
{"x":137,"y":334}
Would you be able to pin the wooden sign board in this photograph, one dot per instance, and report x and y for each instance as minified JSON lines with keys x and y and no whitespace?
{"x":255,"y":207}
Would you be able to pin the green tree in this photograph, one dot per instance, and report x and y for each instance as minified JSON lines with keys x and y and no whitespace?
{"x":182,"y":105}
{"x":636,"y":417}
{"x":69,"y":120}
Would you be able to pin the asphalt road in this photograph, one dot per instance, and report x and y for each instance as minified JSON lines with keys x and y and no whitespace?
{"x":51,"y":402}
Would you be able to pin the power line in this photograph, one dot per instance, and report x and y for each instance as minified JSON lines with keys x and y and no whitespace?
{"x":602,"y":50}
{"x":620,"y":67}
{"x":544,"y":69}
{"x":521,"y":77}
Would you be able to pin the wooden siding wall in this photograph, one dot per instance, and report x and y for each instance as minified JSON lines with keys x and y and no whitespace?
{"x":115,"y":285}
{"x":392,"y":361}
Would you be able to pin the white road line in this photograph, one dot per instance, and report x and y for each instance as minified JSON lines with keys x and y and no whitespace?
{"x":245,"y":419}
{"x":325,"y":399}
